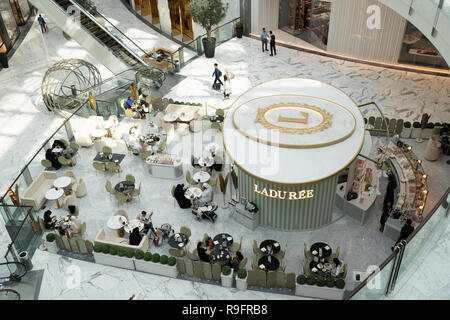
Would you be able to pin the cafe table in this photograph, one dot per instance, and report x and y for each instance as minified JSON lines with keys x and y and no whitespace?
{"x":133,"y":224}
{"x":54,"y":194}
{"x":62,"y":182}
{"x":178,"y":240}
{"x":186,"y":117}
{"x":223,"y":240}
{"x":99,"y":133}
{"x":170,"y":117}
{"x":219,"y":256}
{"x":320,"y":246}
{"x":104,"y":157}
{"x":201,"y":176}
{"x":193,"y":192}
{"x":320,"y":268}
{"x":116,"y":222}
{"x":269,"y":263}
{"x":270,"y":247}
{"x":124,"y":187}
{"x":206,"y":161}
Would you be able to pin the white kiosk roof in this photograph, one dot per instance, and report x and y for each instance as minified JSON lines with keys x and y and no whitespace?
{"x":293,"y":131}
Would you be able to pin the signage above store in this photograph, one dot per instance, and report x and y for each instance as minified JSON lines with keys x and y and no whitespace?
{"x":285,"y":195}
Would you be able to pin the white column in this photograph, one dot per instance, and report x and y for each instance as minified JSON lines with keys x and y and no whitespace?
{"x":164,"y":16}
{"x":264,"y":14}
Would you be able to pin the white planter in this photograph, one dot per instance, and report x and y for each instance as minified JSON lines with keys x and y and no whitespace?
{"x":314,"y":291}
{"x":415,"y":133}
{"x":426,"y":134}
{"x":115,"y":261}
{"x":156,"y":268}
{"x":227,"y":281}
{"x":51,"y":247}
{"x":241,"y":284}
{"x":406,"y":132}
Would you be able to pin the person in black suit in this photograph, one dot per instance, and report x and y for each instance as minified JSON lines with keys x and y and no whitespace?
{"x":387,"y":208}
{"x":235,"y":261}
{"x":273,"y":49}
{"x":49,"y":223}
{"x":405,"y":232}
{"x":201,"y":250}
{"x":183,"y":202}
{"x":135,"y":237}
{"x":390,"y":189}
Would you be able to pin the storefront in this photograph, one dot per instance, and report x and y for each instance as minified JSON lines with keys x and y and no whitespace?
{"x":290,"y":140}
{"x":13,"y":13}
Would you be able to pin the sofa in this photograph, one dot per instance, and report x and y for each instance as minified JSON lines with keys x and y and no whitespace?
{"x":34,"y":195}
{"x":120,"y":242}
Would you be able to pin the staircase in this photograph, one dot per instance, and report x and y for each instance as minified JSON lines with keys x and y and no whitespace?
{"x":95,"y":33}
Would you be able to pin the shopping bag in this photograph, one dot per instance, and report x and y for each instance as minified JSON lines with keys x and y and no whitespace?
{"x":46,"y":28}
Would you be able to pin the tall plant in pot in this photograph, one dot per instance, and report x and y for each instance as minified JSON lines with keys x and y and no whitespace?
{"x":423,"y":126}
{"x":208,"y":13}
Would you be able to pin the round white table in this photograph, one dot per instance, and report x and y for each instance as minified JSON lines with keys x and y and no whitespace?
{"x":212,"y":147}
{"x":170,"y":117}
{"x":201,"y":176}
{"x":116,"y":222}
{"x":192,"y":193}
{"x":133,"y":224}
{"x":107,"y":125}
{"x":54,"y":194}
{"x":62,"y":183}
{"x":206,"y":161}
{"x":186,"y":117}
{"x":99,"y":133}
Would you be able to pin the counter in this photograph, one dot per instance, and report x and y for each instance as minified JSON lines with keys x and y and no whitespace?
{"x":165,"y":166}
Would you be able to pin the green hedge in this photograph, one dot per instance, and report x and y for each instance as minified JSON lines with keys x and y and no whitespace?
{"x":340,"y":283}
{"x":121,"y":252}
{"x":113,"y":250}
{"x":156,"y":257}
{"x":301,"y":279}
{"x":172,"y":261}
{"x":226,"y":270}
{"x":129,"y":252}
{"x":407,"y":124}
{"x":416,"y":125}
{"x":50,"y":237}
{"x":311,"y":280}
{"x":106,"y":248}
{"x":242,"y":273}
{"x":147,"y":256}
{"x":321,"y":281}
{"x":331,"y":282}
{"x":164,"y":259}
{"x":139,"y":254}
{"x":98,"y":247}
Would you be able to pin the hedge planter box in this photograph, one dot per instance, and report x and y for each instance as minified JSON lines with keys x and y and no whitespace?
{"x":415,"y":133}
{"x":315,"y":291}
{"x":241,"y":284}
{"x":156,"y":268}
{"x":227,"y":281}
{"x":406,"y":132}
{"x":426,"y":134}
{"x":51,"y":247}
{"x":114,"y":261}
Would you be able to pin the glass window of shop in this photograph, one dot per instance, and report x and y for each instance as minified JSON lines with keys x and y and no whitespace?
{"x":418,"y":50}
{"x":9,"y":21}
{"x":21,"y":11}
{"x":306,"y":19}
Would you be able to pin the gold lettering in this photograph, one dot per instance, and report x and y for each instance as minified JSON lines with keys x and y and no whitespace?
{"x":302,"y":194}
{"x":310,"y":194}
{"x":295,"y":120}
{"x":256,"y":188}
{"x":264,"y":192}
{"x":292,"y":196}
{"x":273,"y":193}
{"x":282,"y":197}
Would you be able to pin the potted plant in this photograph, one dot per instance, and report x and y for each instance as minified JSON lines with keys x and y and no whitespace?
{"x":227,"y":277}
{"x":320,"y":287}
{"x":114,"y":256}
{"x":239,"y":29}
{"x":241,"y":280}
{"x":4,"y":59}
{"x":223,"y":187}
{"x":50,"y":243}
{"x":416,"y":130}
{"x":156,"y":264}
{"x":406,"y":132}
{"x":423,"y":126}
{"x":208,"y":13}
{"x":428,"y":131}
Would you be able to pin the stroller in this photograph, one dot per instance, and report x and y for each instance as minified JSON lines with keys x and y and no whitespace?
{"x":160,"y":234}
{"x":206,"y":212}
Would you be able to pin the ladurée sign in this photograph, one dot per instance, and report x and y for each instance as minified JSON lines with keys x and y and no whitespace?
{"x":285,"y":195}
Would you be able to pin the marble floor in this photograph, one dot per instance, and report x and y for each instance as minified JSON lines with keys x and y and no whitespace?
{"x":399,"y":94}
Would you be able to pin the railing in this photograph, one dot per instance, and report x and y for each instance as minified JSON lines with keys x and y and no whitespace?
{"x":398,"y":265}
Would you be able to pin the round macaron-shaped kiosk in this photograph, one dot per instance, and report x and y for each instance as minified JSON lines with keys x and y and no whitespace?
{"x":288,"y":140}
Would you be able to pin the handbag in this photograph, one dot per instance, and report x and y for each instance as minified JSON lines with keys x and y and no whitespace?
{"x":46,"y":28}
{"x":231,"y":75}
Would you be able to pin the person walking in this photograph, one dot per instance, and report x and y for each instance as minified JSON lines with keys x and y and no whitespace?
{"x":264,"y":39}
{"x":42,"y":24}
{"x":273,"y":49}
{"x":387,"y":209}
{"x":217,"y":73}
{"x":226,"y":88}
{"x":406,"y":230}
{"x":230,"y":75}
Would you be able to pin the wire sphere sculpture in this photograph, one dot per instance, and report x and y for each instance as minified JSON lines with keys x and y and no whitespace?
{"x":65,"y":80}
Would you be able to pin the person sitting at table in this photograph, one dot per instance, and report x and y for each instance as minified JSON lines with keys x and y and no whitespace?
{"x":156,"y":145}
{"x":134,"y":144}
{"x":75,"y":226}
{"x":209,"y":244}
{"x":135,"y":237}
{"x":50,"y":156}
{"x":130,"y":103}
{"x":146,"y":220}
{"x":145,"y":147}
{"x":202,"y":254}
{"x":235,"y":261}
{"x":49,"y":222}
{"x":135,"y":131}
{"x":336,"y":267}
{"x":218,"y":161}
{"x":206,"y":196}
{"x":183,"y":202}
{"x":58,"y":144}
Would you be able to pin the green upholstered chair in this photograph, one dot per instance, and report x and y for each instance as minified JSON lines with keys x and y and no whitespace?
{"x":181,"y":267}
{"x":146,"y":154}
{"x":235,"y":246}
{"x":186,"y":230}
{"x":334,"y":254}
{"x":162,"y":146}
{"x":344,"y":273}
{"x":306,"y":269}
{"x":215,"y":125}
{"x":82,"y":230}
{"x":42,"y":225}
{"x":109,"y":188}
{"x":176,"y":252}
{"x":66,"y":144}
{"x":205,"y":237}
{"x":65,"y":162}
{"x":99,"y":166}
{"x":136,"y":192}
{"x":74,"y":146}
{"x":107,"y":149}
{"x":220,"y":112}
{"x":213,"y":182}
{"x":282,"y":267}
{"x":122,"y":198}
{"x":308,"y":254}
{"x":46,"y":163}
{"x":130,"y":177}
{"x":113,"y":167}
{"x":254,"y":265}
{"x":280,"y":255}
{"x":189,"y":179}
{"x":256,"y":250}
{"x":243,"y":263}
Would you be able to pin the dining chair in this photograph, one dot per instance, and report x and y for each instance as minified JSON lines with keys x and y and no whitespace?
{"x":107,"y":149}
{"x":280,"y":255}
{"x":46,"y":163}
{"x":130,"y":177}
{"x":66,"y":144}
{"x":283,"y":266}
{"x":256,"y":250}
{"x":243,"y":263}
{"x":65,"y":162}
{"x":306,"y":269}
{"x":181,"y":266}
{"x":205,"y":237}
{"x":215,"y":125}
{"x":112,"y":167}
{"x":344,"y":274}
{"x":82,"y":230}
{"x":81,"y":189}
{"x":254,"y":265}
{"x":189,"y":179}
{"x":186,"y":231}
{"x":75,"y":209}
{"x":307,"y":253}
{"x":42,"y":225}
{"x":162,"y":146}
{"x":235,"y":246}
{"x":122,"y":213}
{"x":146,"y":154}
{"x":176,"y":252}
{"x":99,"y":166}
{"x":172,"y":191}
{"x":137,"y":192}
{"x":220,"y":112}
{"x":109,"y":188}
{"x":75,"y":147}
{"x":213,"y":182}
